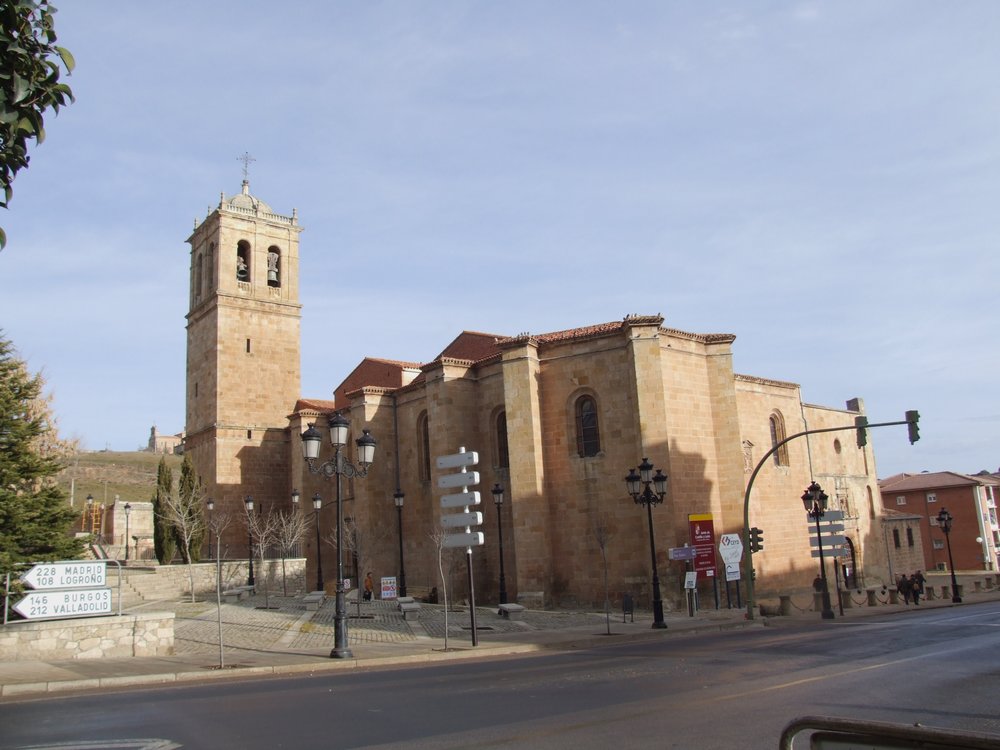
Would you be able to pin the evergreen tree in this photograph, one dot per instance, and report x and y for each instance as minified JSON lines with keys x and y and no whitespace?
{"x":164,"y":545}
{"x":190,"y":493}
{"x":35,"y":519}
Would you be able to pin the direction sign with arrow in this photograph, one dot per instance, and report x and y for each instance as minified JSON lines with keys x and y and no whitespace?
{"x":51,"y":605}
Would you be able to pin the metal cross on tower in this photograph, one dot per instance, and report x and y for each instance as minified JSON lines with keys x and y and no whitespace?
{"x":247,"y":161}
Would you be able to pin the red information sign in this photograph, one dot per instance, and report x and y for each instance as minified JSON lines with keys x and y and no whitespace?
{"x":703,"y":541}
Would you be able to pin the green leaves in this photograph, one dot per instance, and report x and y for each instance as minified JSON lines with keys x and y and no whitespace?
{"x":30,"y":66}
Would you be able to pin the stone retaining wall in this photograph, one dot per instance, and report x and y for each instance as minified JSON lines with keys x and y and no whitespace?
{"x":147,"y":634}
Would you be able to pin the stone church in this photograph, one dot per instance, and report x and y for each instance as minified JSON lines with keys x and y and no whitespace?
{"x":558,"y":420}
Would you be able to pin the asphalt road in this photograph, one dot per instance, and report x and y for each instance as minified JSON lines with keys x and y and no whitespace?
{"x":723,"y":690}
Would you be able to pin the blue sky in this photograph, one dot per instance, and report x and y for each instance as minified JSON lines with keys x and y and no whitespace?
{"x":821,"y":179}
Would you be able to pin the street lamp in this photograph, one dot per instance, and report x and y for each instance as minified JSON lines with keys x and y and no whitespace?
{"x":639,"y":487}
{"x":397,"y":498}
{"x":89,"y":519}
{"x":944,"y":520}
{"x":128,"y":511}
{"x":249,"y":503}
{"x":815,"y":502}
{"x":317,"y":505}
{"x":338,"y":467}
{"x":210,"y":504}
{"x":498,"y":500}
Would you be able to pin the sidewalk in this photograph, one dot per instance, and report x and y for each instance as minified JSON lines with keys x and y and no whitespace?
{"x":286,"y":639}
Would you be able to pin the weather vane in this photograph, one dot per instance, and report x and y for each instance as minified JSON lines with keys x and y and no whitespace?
{"x":247,"y":161}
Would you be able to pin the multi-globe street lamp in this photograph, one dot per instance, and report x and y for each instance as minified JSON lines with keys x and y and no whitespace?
{"x":815,"y":502}
{"x":398,"y":497}
{"x":944,"y":520}
{"x":649,"y":490}
{"x":128,"y":512}
{"x":248,"y":502}
{"x":498,"y":501}
{"x":338,"y":467}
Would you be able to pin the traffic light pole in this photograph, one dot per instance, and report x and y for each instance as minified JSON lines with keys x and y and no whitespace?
{"x":912,"y":418}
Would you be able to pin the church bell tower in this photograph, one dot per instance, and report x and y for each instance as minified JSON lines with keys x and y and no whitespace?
{"x":243,"y":350}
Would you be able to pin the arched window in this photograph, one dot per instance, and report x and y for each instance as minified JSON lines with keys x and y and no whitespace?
{"x":503,"y":453}
{"x":777,"y":425}
{"x":197,"y":277}
{"x":588,"y":434}
{"x":273,"y":266}
{"x":210,"y":267}
{"x":424,"y":447}
{"x":243,"y":261}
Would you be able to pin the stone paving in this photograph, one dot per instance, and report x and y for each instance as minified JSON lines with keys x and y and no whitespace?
{"x":287,"y":625}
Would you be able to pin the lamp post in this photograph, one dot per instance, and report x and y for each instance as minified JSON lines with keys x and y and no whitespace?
{"x":317,"y":505}
{"x":815,"y":502}
{"x":649,"y":490}
{"x":128,"y":512}
{"x":248,"y":502}
{"x":944,"y":520}
{"x":398,"y":497}
{"x":339,"y":467}
{"x":210,"y":504}
{"x":498,"y":501}
{"x":90,"y":514}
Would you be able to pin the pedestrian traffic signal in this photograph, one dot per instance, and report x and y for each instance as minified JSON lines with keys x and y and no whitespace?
{"x":861,"y":423}
{"x":912,"y":417}
{"x":756,"y":539}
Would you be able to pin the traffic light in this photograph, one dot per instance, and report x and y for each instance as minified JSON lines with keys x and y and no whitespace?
{"x":861,"y":423}
{"x":756,"y":539}
{"x":912,"y":417}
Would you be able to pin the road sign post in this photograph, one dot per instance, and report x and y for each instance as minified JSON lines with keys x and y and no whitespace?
{"x":465,"y":519}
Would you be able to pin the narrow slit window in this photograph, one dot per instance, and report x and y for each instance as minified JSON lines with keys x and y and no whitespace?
{"x":588,"y":433}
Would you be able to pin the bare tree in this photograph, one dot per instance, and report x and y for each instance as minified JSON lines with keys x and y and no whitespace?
{"x":437,"y":536}
{"x":603,"y":530}
{"x":263,"y":528}
{"x":217,"y":524}
{"x":361,"y":542}
{"x":182,"y":512}
{"x":292,"y":528}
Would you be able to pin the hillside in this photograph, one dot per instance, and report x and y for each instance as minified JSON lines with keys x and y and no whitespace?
{"x":131,"y":475}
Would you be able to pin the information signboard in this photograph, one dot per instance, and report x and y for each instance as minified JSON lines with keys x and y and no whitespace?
{"x":389,"y":588}
{"x":703,"y":541}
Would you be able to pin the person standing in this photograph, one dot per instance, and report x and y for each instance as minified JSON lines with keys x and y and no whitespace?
{"x":905,"y":587}
{"x":369,"y":587}
{"x":917,"y":581}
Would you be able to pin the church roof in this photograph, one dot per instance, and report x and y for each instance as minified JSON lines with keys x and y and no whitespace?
{"x":472,"y":346}
{"x":477,"y":348}
{"x":243,"y":201}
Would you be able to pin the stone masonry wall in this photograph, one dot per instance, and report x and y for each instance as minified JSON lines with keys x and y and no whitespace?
{"x":146,"y":634}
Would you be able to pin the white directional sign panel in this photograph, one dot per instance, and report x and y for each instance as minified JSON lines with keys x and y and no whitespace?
{"x":831,"y":540}
{"x":466,"y":519}
{"x":835,"y":552}
{"x":461,"y":520}
{"x":468,"y":539}
{"x":66,"y":575}
{"x":457,"y":460}
{"x":730,"y":548}
{"x":733,"y":571}
{"x":461,"y":479}
{"x":460,"y":499}
{"x":51,"y":605}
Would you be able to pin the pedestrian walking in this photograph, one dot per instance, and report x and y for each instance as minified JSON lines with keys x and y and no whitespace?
{"x":905,"y":587}
{"x":917,"y":581}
